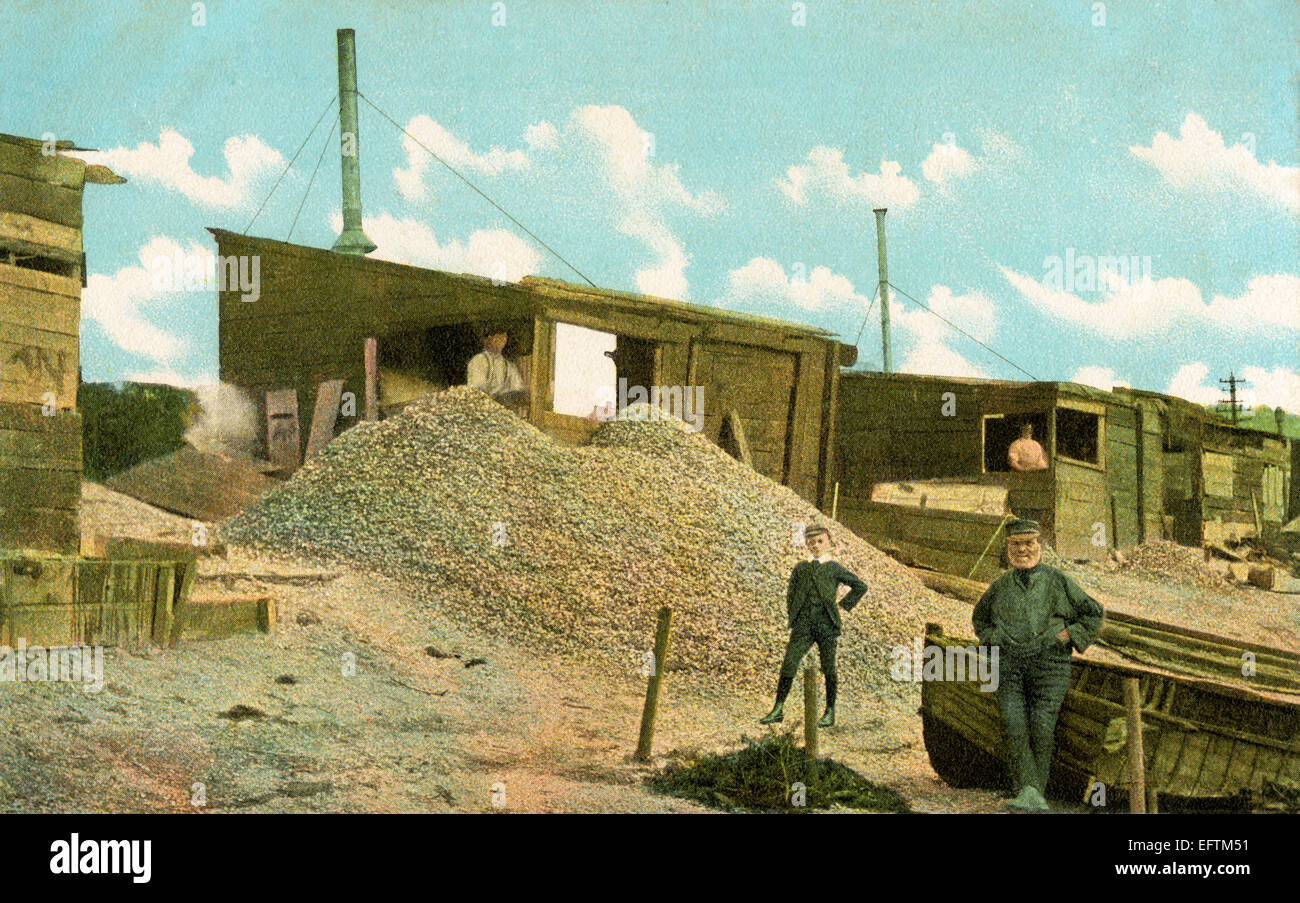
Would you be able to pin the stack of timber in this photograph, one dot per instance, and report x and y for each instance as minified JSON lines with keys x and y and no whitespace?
{"x":132,"y":602}
{"x":962,"y":542}
{"x":1195,"y":653}
{"x":1202,"y":740}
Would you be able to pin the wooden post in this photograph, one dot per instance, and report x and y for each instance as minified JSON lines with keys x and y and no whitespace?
{"x":372,"y":378}
{"x":810,"y":711}
{"x":1114,"y":524}
{"x":1254,"y":503}
{"x":835,"y":501}
{"x":1137,"y":794}
{"x":1153,"y":801}
{"x":652,"y":688}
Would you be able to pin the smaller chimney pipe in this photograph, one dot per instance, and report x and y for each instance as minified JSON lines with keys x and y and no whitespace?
{"x":352,"y":240}
{"x":888,"y":361}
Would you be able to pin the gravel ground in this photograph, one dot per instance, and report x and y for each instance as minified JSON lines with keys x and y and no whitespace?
{"x":594,"y":540}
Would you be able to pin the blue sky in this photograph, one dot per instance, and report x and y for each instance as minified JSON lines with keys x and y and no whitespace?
{"x":724,"y":153}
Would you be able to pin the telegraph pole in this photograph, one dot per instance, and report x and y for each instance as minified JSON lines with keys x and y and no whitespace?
{"x":1232,"y":382}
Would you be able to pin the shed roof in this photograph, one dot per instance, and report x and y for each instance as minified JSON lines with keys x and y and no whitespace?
{"x":539,"y":289}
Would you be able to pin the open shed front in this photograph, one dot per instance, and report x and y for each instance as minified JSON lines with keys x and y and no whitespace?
{"x":763,"y":389}
{"x":924,"y":467}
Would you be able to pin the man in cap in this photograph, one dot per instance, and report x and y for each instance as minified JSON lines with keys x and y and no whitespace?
{"x":493,"y":373}
{"x":1035,"y":615}
{"x":810,"y":604}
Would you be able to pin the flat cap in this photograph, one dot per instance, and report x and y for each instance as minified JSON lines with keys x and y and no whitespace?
{"x":1022,"y":525}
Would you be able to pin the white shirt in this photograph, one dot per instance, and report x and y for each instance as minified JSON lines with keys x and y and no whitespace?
{"x":492,"y":373}
{"x":823,"y":558}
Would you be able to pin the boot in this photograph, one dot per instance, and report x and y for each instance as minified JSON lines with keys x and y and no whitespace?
{"x":773,"y":716}
{"x":1028,"y":800}
{"x":828,"y":719}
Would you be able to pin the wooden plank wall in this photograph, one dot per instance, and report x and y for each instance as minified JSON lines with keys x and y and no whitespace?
{"x":948,"y":541}
{"x":757,"y":383}
{"x":40,"y":479}
{"x":1245,"y":467}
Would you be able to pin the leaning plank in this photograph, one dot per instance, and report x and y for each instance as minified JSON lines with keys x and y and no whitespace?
{"x":328,"y":396}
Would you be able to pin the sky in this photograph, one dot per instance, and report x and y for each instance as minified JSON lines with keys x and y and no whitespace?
{"x":1104,"y":193}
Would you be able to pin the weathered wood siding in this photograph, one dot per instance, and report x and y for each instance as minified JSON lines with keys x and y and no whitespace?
{"x":955,"y":542}
{"x":1242,"y":483}
{"x":40,"y":479}
{"x":316,"y":309}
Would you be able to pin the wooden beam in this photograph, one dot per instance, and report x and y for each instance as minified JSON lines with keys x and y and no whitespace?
{"x":328,"y":396}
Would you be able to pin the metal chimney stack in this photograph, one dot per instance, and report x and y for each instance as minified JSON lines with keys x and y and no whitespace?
{"x":353,"y":240}
{"x":888,"y":361}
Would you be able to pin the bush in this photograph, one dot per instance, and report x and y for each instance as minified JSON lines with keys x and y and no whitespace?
{"x":125,"y":424}
{"x":759,"y":777}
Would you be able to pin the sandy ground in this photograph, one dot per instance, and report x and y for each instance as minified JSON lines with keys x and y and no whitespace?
{"x":372,"y":722}
{"x":343,"y":709}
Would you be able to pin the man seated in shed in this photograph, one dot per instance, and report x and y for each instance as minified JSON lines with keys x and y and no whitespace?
{"x":493,"y":373}
{"x":1025,"y":453}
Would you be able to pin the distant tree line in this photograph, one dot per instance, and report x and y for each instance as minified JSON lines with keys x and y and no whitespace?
{"x":124,"y":424}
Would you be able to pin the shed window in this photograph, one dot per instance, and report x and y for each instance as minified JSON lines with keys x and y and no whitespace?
{"x":1000,"y":430}
{"x":584,"y":376}
{"x":589,"y":366}
{"x":1078,"y":435}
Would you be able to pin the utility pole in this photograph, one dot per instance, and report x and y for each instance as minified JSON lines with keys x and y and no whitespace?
{"x":887,"y":359}
{"x":1235,"y":408}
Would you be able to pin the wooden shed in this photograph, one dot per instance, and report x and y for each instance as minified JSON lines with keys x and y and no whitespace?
{"x":769,"y":387}
{"x":42,"y":271}
{"x":1221,"y":482}
{"x":923,"y":466}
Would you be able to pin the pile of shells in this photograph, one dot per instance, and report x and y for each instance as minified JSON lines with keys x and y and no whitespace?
{"x":1169,"y":560}
{"x":574,"y":549}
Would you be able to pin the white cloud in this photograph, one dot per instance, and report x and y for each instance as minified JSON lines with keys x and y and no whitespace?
{"x":167,"y":163}
{"x":932,"y":351}
{"x":1199,"y":159}
{"x":119,"y":303}
{"x":601,"y":142}
{"x":1097,"y":376}
{"x":826,"y":175}
{"x":764,"y":281}
{"x":410,"y":180}
{"x":1189,"y":382}
{"x":495,"y":253}
{"x":947,"y":161}
{"x":1147,"y":307}
{"x":1272,"y":300}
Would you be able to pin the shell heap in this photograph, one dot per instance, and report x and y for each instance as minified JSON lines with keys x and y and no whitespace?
{"x":574,"y":549}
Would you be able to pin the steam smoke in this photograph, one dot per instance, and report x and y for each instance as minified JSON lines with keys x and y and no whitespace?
{"x":227,"y":421}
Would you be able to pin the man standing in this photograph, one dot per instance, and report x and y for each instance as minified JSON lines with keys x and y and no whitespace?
{"x":490,"y":371}
{"x":1034,"y":614}
{"x":810,"y":606}
{"x":1025,"y":453}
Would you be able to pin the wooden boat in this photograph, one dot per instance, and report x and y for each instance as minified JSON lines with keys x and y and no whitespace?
{"x":1203,"y":739}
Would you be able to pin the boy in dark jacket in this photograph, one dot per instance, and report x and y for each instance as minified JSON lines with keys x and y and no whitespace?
{"x":810,"y":605}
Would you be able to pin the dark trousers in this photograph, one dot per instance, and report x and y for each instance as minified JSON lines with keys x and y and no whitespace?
{"x":802,"y":636}
{"x":1031,"y":688}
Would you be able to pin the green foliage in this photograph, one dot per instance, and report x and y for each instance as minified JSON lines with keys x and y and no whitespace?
{"x":122,"y":426}
{"x":760,"y":775}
